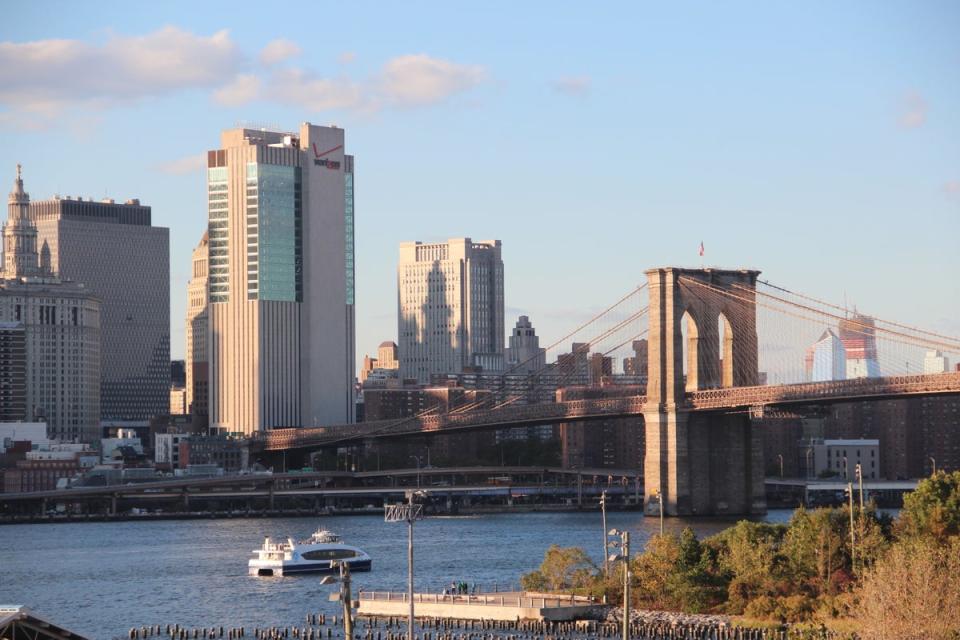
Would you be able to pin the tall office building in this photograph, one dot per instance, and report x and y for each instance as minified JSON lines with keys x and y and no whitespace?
{"x":49,"y":336}
{"x":198,"y":295}
{"x":450,"y":315}
{"x":281,"y":276}
{"x":935,"y":362}
{"x":859,"y":337}
{"x":125,"y":263}
{"x":826,"y":359}
{"x":524,"y":354}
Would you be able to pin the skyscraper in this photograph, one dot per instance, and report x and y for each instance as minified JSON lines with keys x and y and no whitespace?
{"x":281,"y":278}
{"x":826,"y":359}
{"x":524,"y":354}
{"x":450,"y":315}
{"x":198,"y":295}
{"x":125,"y":263}
{"x":49,"y":335}
{"x":859,"y":337}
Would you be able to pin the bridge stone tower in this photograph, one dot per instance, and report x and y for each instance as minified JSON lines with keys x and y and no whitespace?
{"x":704,"y":463}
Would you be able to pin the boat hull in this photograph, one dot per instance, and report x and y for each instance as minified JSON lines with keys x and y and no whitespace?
{"x":290,"y":569}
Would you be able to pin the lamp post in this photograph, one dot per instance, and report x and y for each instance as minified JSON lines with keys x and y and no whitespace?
{"x":409,"y":513}
{"x":345,"y":595}
{"x":809,"y":462}
{"x":853,"y":538}
{"x":624,"y":545}
{"x":660,"y":500}
{"x":603,"y":512}
{"x":934,"y":461}
{"x":780,"y":456}
{"x":859,"y":472}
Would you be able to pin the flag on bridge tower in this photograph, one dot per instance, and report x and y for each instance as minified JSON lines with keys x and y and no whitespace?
{"x":701,"y":248}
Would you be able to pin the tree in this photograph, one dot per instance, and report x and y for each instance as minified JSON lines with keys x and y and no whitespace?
{"x":933,"y":510}
{"x":562,"y":569}
{"x":912,"y":593}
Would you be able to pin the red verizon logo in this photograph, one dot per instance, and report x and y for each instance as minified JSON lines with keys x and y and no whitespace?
{"x":319,"y":159}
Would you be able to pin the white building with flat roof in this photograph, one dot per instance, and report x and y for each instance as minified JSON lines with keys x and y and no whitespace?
{"x":935,"y":362}
{"x":840,"y":458}
{"x":450,"y":315}
{"x":281,"y":279}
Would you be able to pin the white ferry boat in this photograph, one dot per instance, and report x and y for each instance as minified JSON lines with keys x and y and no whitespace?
{"x":313,"y":555}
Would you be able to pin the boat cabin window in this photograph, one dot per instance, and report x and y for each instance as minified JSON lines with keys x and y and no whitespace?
{"x":328,"y":554}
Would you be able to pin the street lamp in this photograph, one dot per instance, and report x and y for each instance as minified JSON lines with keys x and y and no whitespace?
{"x":934,"y":461}
{"x":624,"y":546}
{"x":409,"y":513}
{"x":660,"y":501}
{"x":344,"y":596}
{"x":603,"y":512}
{"x":858,"y":470}
{"x":809,"y":462}
{"x":780,"y":456}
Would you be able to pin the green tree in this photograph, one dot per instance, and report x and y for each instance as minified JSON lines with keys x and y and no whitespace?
{"x":562,"y":569}
{"x":933,"y":510}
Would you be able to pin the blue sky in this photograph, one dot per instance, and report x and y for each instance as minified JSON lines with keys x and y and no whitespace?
{"x":818,"y":142}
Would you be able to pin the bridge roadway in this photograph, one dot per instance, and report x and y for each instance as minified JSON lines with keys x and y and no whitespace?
{"x":249,"y":485}
{"x":754,"y":399}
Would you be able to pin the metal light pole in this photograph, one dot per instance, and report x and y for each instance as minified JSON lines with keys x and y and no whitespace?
{"x":934,"y":461}
{"x":809,"y":462}
{"x":408,"y":513}
{"x":660,"y":500}
{"x":859,"y":472}
{"x":345,"y":596}
{"x":624,"y":545}
{"x":780,"y":455}
{"x":603,"y":512}
{"x":853,"y":538}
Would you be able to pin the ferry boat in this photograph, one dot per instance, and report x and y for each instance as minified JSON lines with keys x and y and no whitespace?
{"x":316,"y":554}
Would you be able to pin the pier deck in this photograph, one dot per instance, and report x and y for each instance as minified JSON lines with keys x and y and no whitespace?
{"x":484,"y":606}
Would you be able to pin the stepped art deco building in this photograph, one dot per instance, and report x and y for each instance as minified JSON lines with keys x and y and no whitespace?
{"x":281,"y":279}
{"x":49,"y":335}
{"x":114,"y":250}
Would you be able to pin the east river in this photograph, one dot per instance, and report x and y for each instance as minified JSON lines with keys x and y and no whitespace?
{"x":101,"y":579}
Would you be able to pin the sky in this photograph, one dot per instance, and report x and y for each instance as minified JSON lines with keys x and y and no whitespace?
{"x":818,"y":142}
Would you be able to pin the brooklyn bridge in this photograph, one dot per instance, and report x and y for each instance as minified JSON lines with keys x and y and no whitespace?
{"x":713,"y":336}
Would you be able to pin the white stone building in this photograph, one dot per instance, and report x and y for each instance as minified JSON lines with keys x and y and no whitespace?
{"x":450,"y":312}
{"x":61,"y":322}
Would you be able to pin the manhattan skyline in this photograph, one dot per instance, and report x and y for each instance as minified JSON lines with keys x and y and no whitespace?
{"x":819,"y":146}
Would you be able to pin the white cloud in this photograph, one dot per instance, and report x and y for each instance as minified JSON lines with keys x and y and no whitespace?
{"x":41,"y":79}
{"x":243,"y":89}
{"x":346,"y":57}
{"x":306,"y":90}
{"x":57,"y":81}
{"x":183,"y":166}
{"x":913,"y":111}
{"x":573,"y":85}
{"x":417,"y":80}
{"x":279,"y":50}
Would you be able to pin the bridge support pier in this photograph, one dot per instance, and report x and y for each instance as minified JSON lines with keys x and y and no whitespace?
{"x":703,"y":464}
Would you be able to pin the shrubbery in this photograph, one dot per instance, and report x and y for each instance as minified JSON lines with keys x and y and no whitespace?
{"x":903,"y":579}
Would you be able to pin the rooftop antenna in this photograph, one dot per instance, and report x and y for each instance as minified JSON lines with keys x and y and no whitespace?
{"x":845,"y":313}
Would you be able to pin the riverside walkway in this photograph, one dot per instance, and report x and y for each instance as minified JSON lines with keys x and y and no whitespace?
{"x":511,"y":606}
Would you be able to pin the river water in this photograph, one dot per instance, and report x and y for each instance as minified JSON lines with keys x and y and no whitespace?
{"x":101,"y":579}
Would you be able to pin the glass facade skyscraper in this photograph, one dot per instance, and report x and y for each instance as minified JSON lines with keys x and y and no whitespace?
{"x":281,"y":341}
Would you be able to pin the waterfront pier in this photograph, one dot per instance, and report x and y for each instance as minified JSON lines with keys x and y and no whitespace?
{"x":509,"y":606}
